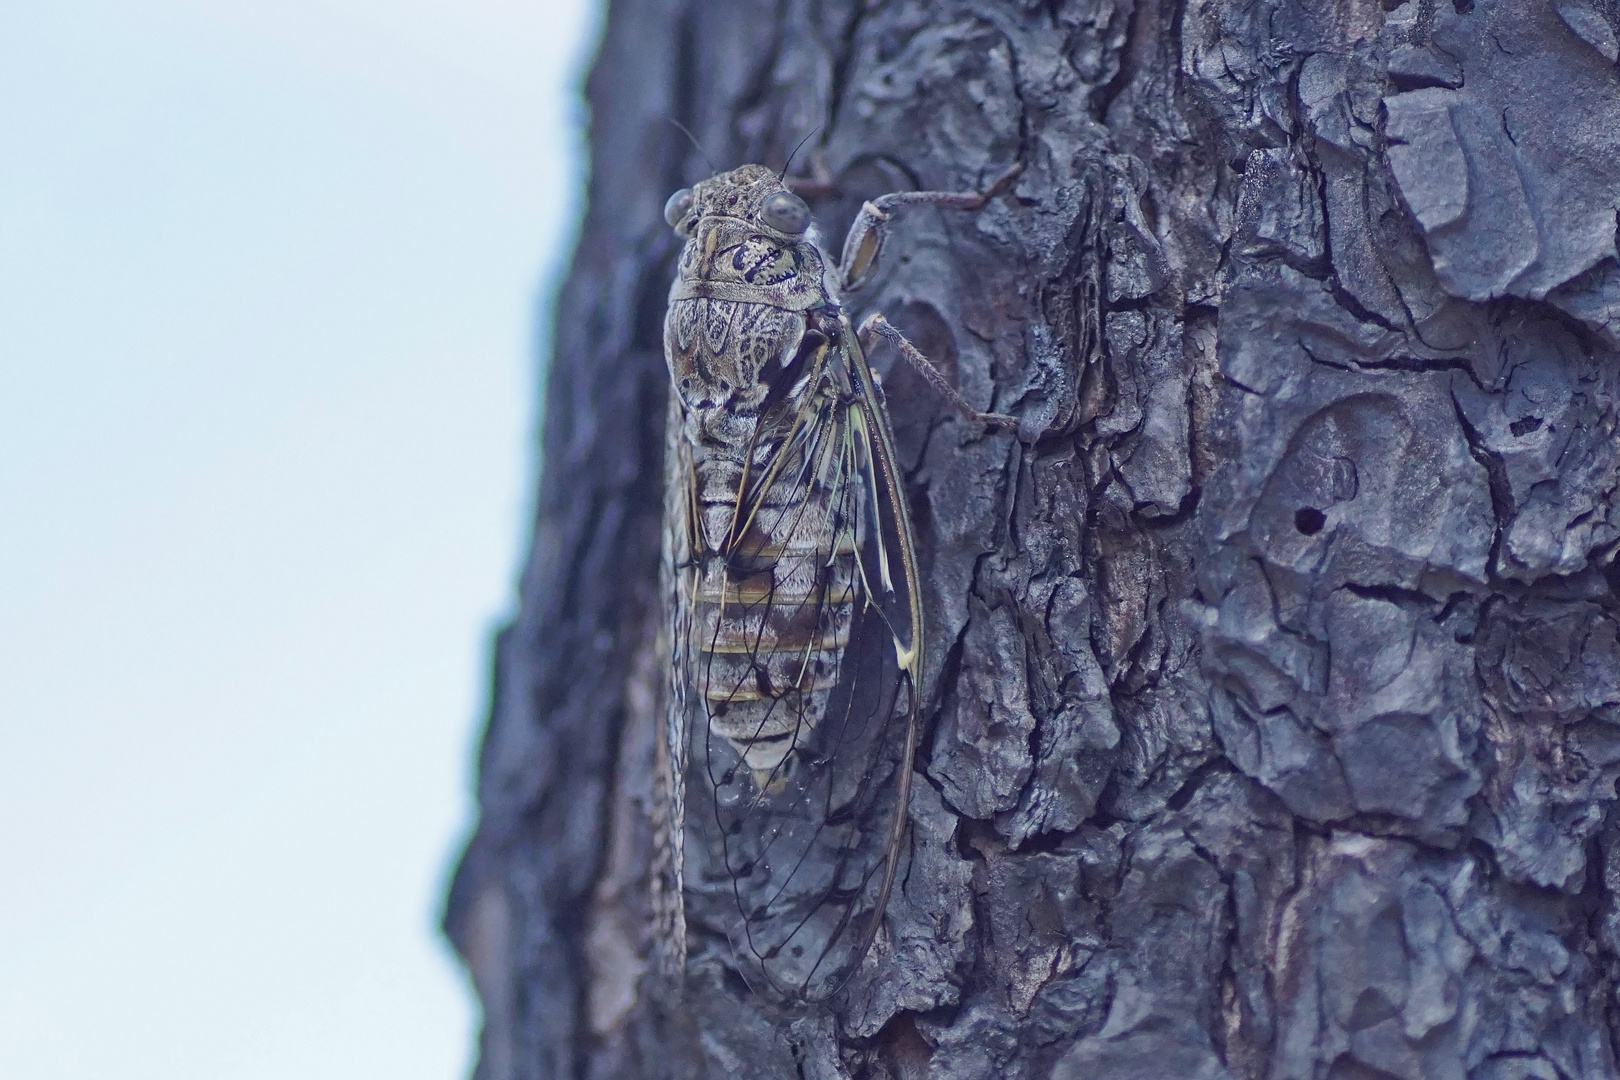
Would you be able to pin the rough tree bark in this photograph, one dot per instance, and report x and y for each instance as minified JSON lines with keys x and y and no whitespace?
{"x":1274,"y":696}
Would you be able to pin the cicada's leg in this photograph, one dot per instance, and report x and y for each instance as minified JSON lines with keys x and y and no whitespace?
{"x":866,"y":235}
{"x":875,"y":326}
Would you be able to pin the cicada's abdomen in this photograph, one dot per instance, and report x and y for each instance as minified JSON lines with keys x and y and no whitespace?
{"x":772,"y":609}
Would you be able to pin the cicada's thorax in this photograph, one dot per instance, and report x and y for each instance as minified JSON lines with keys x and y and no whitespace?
{"x":753,"y":337}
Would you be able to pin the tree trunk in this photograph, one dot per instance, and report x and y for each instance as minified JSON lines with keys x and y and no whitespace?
{"x":1273,"y":696}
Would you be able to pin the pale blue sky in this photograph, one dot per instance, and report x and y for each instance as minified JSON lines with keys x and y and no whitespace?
{"x":271,"y":281}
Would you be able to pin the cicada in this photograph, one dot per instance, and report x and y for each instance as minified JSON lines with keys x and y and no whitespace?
{"x":794,"y":630}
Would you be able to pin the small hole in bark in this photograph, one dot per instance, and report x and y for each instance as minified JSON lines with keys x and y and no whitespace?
{"x":1524,"y":425}
{"x":1309,"y":520}
{"x":903,"y":1048}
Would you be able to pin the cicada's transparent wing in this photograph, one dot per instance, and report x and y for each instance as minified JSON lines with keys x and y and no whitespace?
{"x":805,"y":641}
{"x":675,"y":648}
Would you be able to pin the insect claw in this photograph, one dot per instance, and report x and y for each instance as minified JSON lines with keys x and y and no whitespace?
{"x":996,"y":420}
{"x":1002,"y":182}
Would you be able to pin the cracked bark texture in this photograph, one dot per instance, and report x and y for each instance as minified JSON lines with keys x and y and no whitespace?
{"x":1274,"y":688}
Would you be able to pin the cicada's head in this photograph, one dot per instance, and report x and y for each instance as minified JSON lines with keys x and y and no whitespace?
{"x":749,"y":240}
{"x":751,"y":194}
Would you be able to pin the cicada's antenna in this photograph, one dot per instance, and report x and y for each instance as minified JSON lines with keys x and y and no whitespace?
{"x":695,"y":144}
{"x":782,"y":179}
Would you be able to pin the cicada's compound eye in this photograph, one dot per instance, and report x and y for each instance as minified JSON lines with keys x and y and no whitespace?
{"x":786,"y":212}
{"x":679,"y":205}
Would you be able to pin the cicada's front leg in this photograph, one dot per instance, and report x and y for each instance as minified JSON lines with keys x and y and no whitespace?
{"x":861,"y":249}
{"x":865,"y":237}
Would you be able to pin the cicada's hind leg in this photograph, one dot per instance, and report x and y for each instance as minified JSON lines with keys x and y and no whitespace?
{"x":865,"y":237}
{"x":875,"y":326}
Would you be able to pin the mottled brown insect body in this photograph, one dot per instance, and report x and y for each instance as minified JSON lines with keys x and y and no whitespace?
{"x":789,"y":564}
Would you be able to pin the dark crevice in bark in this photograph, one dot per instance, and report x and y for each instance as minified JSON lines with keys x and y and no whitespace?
{"x":683,"y":100}
{"x":1501,"y":490}
{"x":1393,"y":594}
{"x":1103,"y":96}
{"x":842,"y":60}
